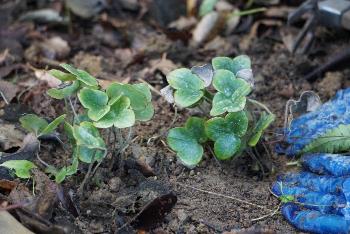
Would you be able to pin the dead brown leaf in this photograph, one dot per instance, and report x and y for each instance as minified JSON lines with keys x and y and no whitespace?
{"x":10,"y":137}
{"x":8,"y":91}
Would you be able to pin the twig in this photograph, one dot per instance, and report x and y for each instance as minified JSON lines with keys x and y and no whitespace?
{"x":3,"y":97}
{"x":225,"y":196}
{"x":255,"y":102}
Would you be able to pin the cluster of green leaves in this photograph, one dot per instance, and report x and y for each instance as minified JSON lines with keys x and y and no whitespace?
{"x":119,"y":106}
{"x":232,"y":128}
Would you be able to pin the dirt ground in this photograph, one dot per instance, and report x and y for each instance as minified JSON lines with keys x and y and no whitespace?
{"x":112,"y":195}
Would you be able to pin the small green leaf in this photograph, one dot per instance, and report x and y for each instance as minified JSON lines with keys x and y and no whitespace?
{"x":196,"y":126}
{"x":94,"y":100}
{"x":241,"y":62}
{"x":60,"y":175}
{"x":264,"y":121}
{"x":60,"y":93}
{"x":22,"y":167}
{"x":287,"y":198}
{"x":33,"y":123}
{"x":52,"y":126}
{"x":68,"y":129}
{"x":62,"y":76}
{"x":120,"y":115}
{"x":206,"y":7}
{"x":188,"y":150}
{"x":81,"y":75}
{"x":226,"y":133}
{"x":335,"y":140}
{"x":88,"y":155}
{"x":86,"y":134}
{"x":226,"y":146}
{"x":224,"y":63}
{"x":188,"y":86}
{"x":231,"y":95}
{"x":140,"y":98}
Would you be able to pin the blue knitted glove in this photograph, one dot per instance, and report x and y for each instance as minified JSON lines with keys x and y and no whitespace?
{"x":312,"y":125}
{"x":320,"y":194}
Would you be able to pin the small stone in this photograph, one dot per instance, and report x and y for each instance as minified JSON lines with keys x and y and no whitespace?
{"x":192,"y":173}
{"x":114,"y":184}
{"x":88,"y":212}
{"x":181,"y":215}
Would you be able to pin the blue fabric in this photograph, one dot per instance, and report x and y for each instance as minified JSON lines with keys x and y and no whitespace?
{"x":312,"y":125}
{"x":321,"y":194}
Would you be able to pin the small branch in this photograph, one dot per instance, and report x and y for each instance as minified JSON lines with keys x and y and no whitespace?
{"x":225,"y":196}
{"x":259,"y":104}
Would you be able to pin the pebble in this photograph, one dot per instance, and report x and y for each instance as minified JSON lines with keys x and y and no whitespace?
{"x":192,"y":173}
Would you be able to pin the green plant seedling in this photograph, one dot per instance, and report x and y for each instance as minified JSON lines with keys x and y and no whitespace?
{"x":232,"y":134}
{"x":22,"y":167}
{"x":40,"y":126}
{"x":226,"y":133}
{"x":189,"y":87}
{"x":95,"y":101}
{"x":187,"y":140}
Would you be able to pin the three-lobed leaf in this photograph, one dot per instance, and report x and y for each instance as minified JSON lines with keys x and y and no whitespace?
{"x":186,"y":141}
{"x":22,"y":167}
{"x":231,"y":95}
{"x":233,"y":65}
{"x":86,"y":134}
{"x":226,"y":133}
{"x":120,"y":115}
{"x":189,"y":87}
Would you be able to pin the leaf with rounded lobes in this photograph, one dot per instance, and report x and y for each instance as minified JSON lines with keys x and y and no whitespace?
{"x":33,"y":123}
{"x":188,"y":86}
{"x":88,"y":155}
{"x":86,"y":134}
{"x":81,"y":75}
{"x":224,"y":63}
{"x":205,"y":72}
{"x":231,"y":95}
{"x":241,"y":62}
{"x":62,"y":76}
{"x":264,"y":121}
{"x":196,"y":126}
{"x":120,"y":115}
{"x":188,"y":150}
{"x":234,"y":123}
{"x":22,"y":167}
{"x":226,"y":146}
{"x":60,"y":93}
{"x":52,"y":126}
{"x":95,"y":101}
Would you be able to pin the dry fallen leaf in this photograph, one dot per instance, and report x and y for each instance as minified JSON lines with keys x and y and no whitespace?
{"x":55,"y":48}
{"x":206,"y":28}
{"x":43,"y":75}
{"x":10,"y":137}
{"x":7,"y":91}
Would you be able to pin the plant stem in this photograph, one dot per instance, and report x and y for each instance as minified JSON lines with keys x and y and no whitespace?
{"x":81,"y":187}
{"x":259,"y":104}
{"x":73,"y":109}
{"x":249,"y":12}
{"x":293,"y":163}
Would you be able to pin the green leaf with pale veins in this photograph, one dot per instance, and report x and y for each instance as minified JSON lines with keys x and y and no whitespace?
{"x":120,"y":115}
{"x":86,"y":134}
{"x":95,"y":101}
{"x":33,"y":123}
{"x":226,"y":133}
{"x":231,"y":95}
{"x":222,"y":63}
{"x":22,"y":167}
{"x":187,"y":140}
{"x":88,"y":155}
{"x":53,"y":125}
{"x":81,"y":75}
{"x":60,"y":93}
{"x":188,"y":87}
{"x":335,"y":140}
{"x":264,"y":121}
